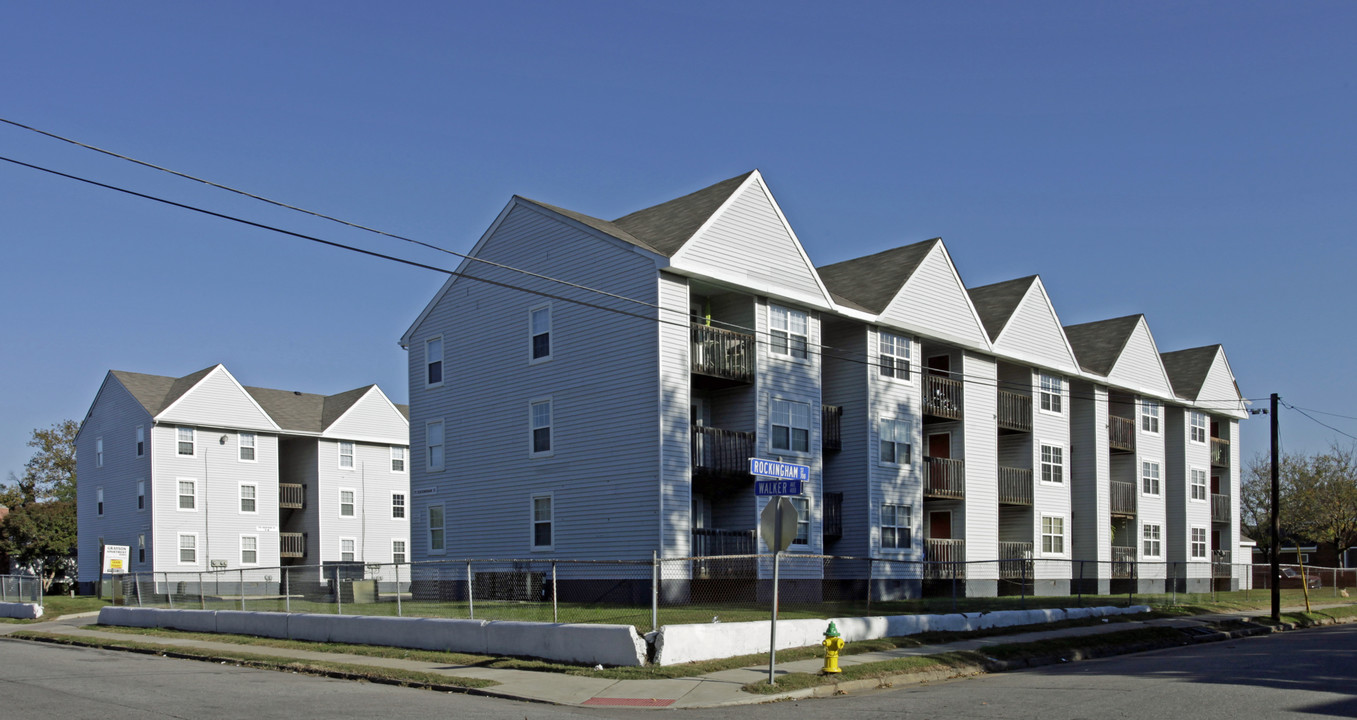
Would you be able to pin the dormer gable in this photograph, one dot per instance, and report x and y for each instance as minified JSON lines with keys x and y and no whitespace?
{"x":365,"y":415}
{"x":1202,"y":376}
{"x":933,"y":302}
{"x":1022,"y":324}
{"x":1123,"y":350}
{"x":214,"y":398}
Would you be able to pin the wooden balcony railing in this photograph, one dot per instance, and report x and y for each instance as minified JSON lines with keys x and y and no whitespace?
{"x":291,"y":496}
{"x":721,"y":452}
{"x":1015,"y":486}
{"x":1015,"y":560}
{"x":1015,"y":411}
{"x":944,"y":478}
{"x":1220,"y":508}
{"x":722,"y":353}
{"x":946,"y":559}
{"x":292,"y":545}
{"x":1121,"y":433}
{"x":833,"y":517}
{"x":1123,"y":561}
{"x":1220,"y":452}
{"x":1220,"y":564}
{"x":831,"y":422}
{"x":942,"y":397}
{"x":1123,"y":499}
{"x":711,"y":545}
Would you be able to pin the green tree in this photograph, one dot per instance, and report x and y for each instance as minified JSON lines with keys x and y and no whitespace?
{"x":40,"y":530}
{"x":1317,"y":493}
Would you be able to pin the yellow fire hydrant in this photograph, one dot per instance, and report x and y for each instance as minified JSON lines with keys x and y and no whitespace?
{"x":832,"y":644}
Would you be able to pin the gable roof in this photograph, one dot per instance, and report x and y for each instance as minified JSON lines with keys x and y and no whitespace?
{"x":995,"y":304}
{"x":1097,"y":345}
{"x":602,"y":226}
{"x":157,"y":392}
{"x":1188,"y":369}
{"x":667,"y":226}
{"x":871,"y":282}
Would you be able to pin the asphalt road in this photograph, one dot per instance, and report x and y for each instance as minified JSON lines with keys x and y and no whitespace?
{"x":1304,"y":674}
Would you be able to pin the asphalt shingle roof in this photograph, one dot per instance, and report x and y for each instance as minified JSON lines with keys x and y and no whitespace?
{"x":996,"y":303}
{"x":1188,"y":369}
{"x":667,"y":226}
{"x":871,"y":282}
{"x":1098,"y":344}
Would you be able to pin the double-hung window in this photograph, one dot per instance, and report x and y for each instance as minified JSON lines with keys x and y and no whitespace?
{"x":791,"y":426}
{"x":346,"y":503}
{"x":345,"y":455}
{"x":141,"y":440}
{"x":1052,"y":464}
{"x":1052,"y":389}
{"x":1149,"y":478}
{"x":788,"y":331}
{"x":397,"y":459}
{"x":433,"y":445}
{"x":1198,"y":483}
{"x":1150,"y":411}
{"x":398,"y":555}
{"x":397,"y":506}
{"x":248,"y":497}
{"x":802,"y":521}
{"x":188,"y":494}
{"x":539,"y":333}
{"x":893,"y":355}
{"x":433,"y":361}
{"x":249,"y":550}
{"x":1151,"y":538}
{"x":541,"y":522}
{"x":141,"y":548}
{"x":895,"y":527}
{"x":346,"y":549}
{"x":99,"y":452}
{"x":1198,"y":543}
{"x":1052,"y":535}
{"x":185,"y":436}
{"x":99,"y":500}
{"x":247,"y":446}
{"x":141,"y":494}
{"x":436,"y":536}
{"x":895,"y":442}
{"x":540,"y":419}
{"x":1197,"y":427}
{"x":188,"y":549}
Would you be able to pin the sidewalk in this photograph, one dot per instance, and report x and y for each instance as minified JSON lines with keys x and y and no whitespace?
{"x":711,"y":690}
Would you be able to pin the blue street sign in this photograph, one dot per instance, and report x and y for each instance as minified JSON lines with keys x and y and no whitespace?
{"x":779,"y":470}
{"x":764,"y":488}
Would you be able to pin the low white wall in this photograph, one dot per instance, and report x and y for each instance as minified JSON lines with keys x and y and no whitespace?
{"x":677,"y":644}
{"x":613,"y":645}
{"x":21,"y":611}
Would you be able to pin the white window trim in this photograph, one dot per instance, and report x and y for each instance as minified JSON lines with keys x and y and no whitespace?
{"x":909,"y":444}
{"x":908,"y":357}
{"x":177,"y":441}
{"x":1041,"y":465}
{"x":1205,"y":427}
{"x":429,"y":528}
{"x":442,"y":445}
{"x":178,"y":495}
{"x":240,"y":446}
{"x":1042,"y":392}
{"x":240,"y":498}
{"x":1206,"y":485}
{"x":99,"y":502}
{"x":356,"y":556}
{"x":1205,"y":543}
{"x":179,"y":549}
{"x":140,"y":442}
{"x":810,"y":429}
{"x":243,"y":538}
{"x":1159,"y":478}
{"x":99,"y":451}
{"x":442,"y":362}
{"x":532,"y":522}
{"x":340,"y":497}
{"x":1158,"y":540}
{"x":551,"y":426}
{"x":809,"y":522}
{"x":404,"y":458}
{"x":141,"y":548}
{"x":789,"y":355}
{"x":141,"y":495}
{"x":339,"y":454}
{"x":405,"y":551}
{"x":405,"y":505}
{"x":1064,"y":536}
{"x":881,"y":527}
{"x":551,"y":334}
{"x":1158,"y":416}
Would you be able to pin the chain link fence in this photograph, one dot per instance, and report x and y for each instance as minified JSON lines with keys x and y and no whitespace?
{"x":21,"y":589}
{"x":728,"y":588}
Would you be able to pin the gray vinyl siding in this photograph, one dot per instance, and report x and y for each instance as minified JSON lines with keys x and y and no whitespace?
{"x":114,"y":417}
{"x":218,"y":401}
{"x":674,"y":431}
{"x":1090,"y":473}
{"x":982,"y":473}
{"x":1139,"y":367}
{"x":372,"y":419}
{"x":1218,"y":390}
{"x":603,"y":381}
{"x":845,"y":384}
{"x":1034,"y":334}
{"x":934,"y":303}
{"x":748,"y":243}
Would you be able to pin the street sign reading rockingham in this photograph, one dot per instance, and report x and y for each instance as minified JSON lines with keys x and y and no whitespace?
{"x":786,"y":477}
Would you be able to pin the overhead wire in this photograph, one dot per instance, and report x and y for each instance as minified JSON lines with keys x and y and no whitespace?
{"x":1315,"y":420}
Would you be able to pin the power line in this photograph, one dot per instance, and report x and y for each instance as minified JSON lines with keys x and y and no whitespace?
{"x":1308,"y":415}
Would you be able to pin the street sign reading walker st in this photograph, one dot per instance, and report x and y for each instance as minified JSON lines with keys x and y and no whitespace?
{"x":763,"y":488}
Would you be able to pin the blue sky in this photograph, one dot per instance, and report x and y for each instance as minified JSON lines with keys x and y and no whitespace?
{"x":1191,"y":161}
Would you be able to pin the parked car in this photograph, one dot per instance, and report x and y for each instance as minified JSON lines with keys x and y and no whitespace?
{"x":1291,"y":578}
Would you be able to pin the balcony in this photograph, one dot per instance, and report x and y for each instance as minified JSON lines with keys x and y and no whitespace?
{"x":831,"y":423}
{"x":833,"y":518}
{"x":1123,"y":561}
{"x":1123,"y":499}
{"x":946,"y":559}
{"x":1220,"y":564}
{"x":942,"y":397}
{"x":1220,"y":452}
{"x":1015,"y":560}
{"x":944,"y":478}
{"x":721,"y":453}
{"x":1220,"y":508}
{"x":711,"y":545}
{"x":723,"y":354}
{"x":1121,"y":434}
{"x":292,"y":545}
{"x":1015,"y":412}
{"x":291,"y":496}
{"x":1015,"y":486}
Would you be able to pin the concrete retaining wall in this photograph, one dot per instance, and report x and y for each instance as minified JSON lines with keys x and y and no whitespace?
{"x":21,"y":611}
{"x":677,"y":644}
{"x":611,"y":645}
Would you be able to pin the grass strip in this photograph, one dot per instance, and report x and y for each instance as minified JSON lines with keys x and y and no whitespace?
{"x":370,"y":673}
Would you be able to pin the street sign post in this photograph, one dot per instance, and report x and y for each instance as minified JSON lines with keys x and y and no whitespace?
{"x":777,"y":523}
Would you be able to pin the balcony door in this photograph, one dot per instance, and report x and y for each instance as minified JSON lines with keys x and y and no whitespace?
{"x":940,"y":445}
{"x":940,"y":365}
{"x":940,"y":525}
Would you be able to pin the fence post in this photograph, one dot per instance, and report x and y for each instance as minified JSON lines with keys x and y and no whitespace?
{"x":4,"y":589}
{"x":169,"y":593}
{"x":869,"y":586}
{"x":1022,"y":589}
{"x":654,"y":590}
{"x":470,"y":595}
{"x":339,"y":596}
{"x":953,"y":585}
{"x":398,"y":590}
{"x":1131,"y":586}
{"x":287,"y":591}
{"x":555,"y":609}
{"x":1173,"y":584}
{"x":136,"y":585}
{"x":202,"y":593}
{"x":242,"y":589}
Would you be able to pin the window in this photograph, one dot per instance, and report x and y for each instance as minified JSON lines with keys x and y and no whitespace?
{"x":246,"y":441}
{"x":1198,"y":484}
{"x":1052,"y":464}
{"x":788,"y":331}
{"x":185,"y":436}
{"x":433,"y":440}
{"x":188,"y":494}
{"x":346,"y":552}
{"x":99,"y":501}
{"x":141,"y":494}
{"x":540,"y":417}
{"x":1149,"y":416}
{"x":895,"y":447}
{"x":141,"y":440}
{"x":895,"y":527}
{"x":436,"y":529}
{"x":249,"y":550}
{"x":1149,"y":478}
{"x":1052,"y":399}
{"x":346,"y":503}
{"x":1150,"y":536}
{"x":541,"y":522}
{"x":398,"y":551}
{"x":1052,"y":535}
{"x":397,"y":459}
{"x":894,"y":355}
{"x":248,"y":495}
{"x":98,"y":452}
{"x":1198,"y":543}
{"x":791,"y":426}
{"x":188,"y":549}
{"x":141,"y":548}
{"x":433,"y":361}
{"x":802,"y":521}
{"x":398,"y":506}
{"x":345,"y":455}
{"x":539,"y":334}
{"x":1197,"y":427}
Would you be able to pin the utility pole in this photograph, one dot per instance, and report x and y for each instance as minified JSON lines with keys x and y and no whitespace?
{"x":1276,"y":522}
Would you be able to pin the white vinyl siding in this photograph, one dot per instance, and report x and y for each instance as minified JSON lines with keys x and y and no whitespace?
{"x":791,"y":426}
{"x":789,"y":331}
